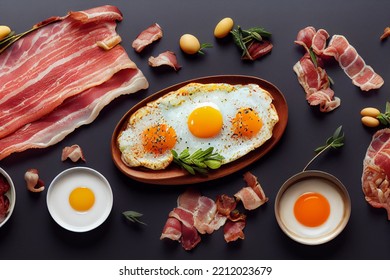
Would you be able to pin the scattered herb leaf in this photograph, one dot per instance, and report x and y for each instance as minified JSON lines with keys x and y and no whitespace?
{"x":133,"y":216}
{"x":335,"y":141}
{"x":384,"y":118}
{"x":204,"y":46}
{"x":199,"y":162}
{"x":243,"y":38}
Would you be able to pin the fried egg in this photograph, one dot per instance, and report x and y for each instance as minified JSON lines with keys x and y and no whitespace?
{"x":233,"y":119}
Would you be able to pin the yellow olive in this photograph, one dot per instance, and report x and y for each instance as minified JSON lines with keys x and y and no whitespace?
{"x":189,"y":44}
{"x":4,"y":31}
{"x":370,"y":121}
{"x":370,"y":111}
{"x":223,"y":27}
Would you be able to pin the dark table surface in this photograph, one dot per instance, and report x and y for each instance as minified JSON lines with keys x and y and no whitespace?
{"x":32,"y":234}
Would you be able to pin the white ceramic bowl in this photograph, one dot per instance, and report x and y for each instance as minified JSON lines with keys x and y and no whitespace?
{"x":58,"y":199}
{"x":11,"y":194}
{"x":322,"y":183}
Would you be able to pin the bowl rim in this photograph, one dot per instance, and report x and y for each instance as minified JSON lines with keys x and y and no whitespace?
{"x":11,"y":194}
{"x":303,"y":175}
{"x":97,"y":223}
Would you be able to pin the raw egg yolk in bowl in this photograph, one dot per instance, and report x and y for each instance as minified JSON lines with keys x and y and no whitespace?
{"x":79,"y":199}
{"x":312,"y":207}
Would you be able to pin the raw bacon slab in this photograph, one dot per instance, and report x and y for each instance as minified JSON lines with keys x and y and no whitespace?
{"x":76,"y":111}
{"x":353,"y":64}
{"x":55,"y":62}
{"x":376,"y":171}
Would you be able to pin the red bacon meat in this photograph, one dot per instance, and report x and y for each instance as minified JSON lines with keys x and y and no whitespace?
{"x":63,"y":77}
{"x":353,"y":64}
{"x":146,"y":37}
{"x":376,"y":171}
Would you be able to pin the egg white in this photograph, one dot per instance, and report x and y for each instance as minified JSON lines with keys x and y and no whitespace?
{"x":175,"y":107}
{"x":58,"y":199}
{"x":321,"y":186}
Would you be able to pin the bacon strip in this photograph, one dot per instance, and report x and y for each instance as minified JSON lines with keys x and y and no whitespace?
{"x":165,"y":58}
{"x":55,"y":62}
{"x":146,"y":37}
{"x":353,"y":64}
{"x":73,"y":113}
{"x":234,"y":230}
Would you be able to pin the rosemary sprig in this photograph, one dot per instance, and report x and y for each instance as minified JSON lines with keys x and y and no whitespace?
{"x":384,"y":118}
{"x":244,"y":37}
{"x":133,"y":217}
{"x":204,"y":46}
{"x":335,"y":141}
{"x":199,"y":162}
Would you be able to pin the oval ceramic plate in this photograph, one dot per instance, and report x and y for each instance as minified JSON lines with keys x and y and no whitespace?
{"x":58,"y":199}
{"x":174,"y":175}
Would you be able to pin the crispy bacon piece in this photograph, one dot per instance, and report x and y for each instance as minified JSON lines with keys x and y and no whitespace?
{"x":252,"y":196}
{"x":146,"y":37}
{"x":353,"y":64}
{"x":165,"y":58}
{"x":74,"y":153}
{"x":376,"y":171}
{"x":225,"y":204}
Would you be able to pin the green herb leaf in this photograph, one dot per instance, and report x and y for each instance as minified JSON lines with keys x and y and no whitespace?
{"x":335,"y":141}
{"x":244,"y":38}
{"x":204,"y":46}
{"x":199,"y":162}
{"x":133,"y":216}
{"x":384,"y":118}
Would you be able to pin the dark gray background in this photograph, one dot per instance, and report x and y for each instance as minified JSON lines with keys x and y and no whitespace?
{"x":32,"y":234}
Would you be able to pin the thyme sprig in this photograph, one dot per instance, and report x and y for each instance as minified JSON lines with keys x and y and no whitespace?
{"x":204,"y":46}
{"x":133,"y":217}
{"x":198,"y":162}
{"x":243,"y":38}
{"x":384,"y":118}
{"x":335,"y":141}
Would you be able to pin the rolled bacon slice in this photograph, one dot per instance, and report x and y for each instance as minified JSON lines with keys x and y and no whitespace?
{"x":376,"y":171}
{"x":353,"y":64}
{"x":315,"y":82}
{"x":146,"y":37}
{"x":55,"y":62}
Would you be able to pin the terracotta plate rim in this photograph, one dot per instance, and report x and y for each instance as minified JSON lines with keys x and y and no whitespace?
{"x":173,"y":175}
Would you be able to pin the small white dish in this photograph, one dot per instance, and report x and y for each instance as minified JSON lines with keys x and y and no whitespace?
{"x":58,"y":199}
{"x":11,"y":195}
{"x":312,"y":182}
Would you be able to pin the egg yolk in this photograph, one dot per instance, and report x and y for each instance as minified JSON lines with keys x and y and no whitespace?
{"x":205,"y":122}
{"x":81,"y":199}
{"x":246,"y":123}
{"x":311,"y":209}
{"x":158,"y":139}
